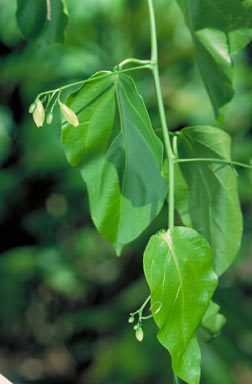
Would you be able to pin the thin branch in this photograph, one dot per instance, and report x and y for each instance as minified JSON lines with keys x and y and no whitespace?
{"x":209,"y":160}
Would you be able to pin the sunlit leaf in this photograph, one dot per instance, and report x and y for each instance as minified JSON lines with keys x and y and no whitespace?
{"x":118,"y":155}
{"x":218,"y":28}
{"x":212,"y":200}
{"x":178,"y":269}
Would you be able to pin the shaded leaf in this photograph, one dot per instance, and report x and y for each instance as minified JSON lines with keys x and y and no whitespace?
{"x":31,"y":17}
{"x":178,"y":269}
{"x":54,"y":28}
{"x":211,"y":323}
{"x":118,"y":154}
{"x":46,"y":20}
{"x":212,"y":200}
{"x":218,"y":29}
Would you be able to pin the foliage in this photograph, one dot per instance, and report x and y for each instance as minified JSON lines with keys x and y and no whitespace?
{"x":117,"y":156}
{"x":75,"y":260}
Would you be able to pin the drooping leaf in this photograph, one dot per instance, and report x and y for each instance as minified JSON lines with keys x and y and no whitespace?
{"x":211,"y":323}
{"x":178,"y":269}
{"x":219,"y":29}
{"x":31,"y":17}
{"x":119,"y":156}
{"x":212,"y":200}
{"x":44,"y":19}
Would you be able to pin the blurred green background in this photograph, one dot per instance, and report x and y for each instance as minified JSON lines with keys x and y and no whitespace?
{"x":64,"y":295}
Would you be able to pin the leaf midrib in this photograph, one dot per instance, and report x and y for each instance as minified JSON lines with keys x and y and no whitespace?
{"x":168,"y":240}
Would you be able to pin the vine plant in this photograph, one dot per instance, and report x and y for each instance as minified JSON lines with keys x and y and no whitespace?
{"x":107,"y":133}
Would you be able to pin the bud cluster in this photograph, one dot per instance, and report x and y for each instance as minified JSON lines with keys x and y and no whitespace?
{"x":39,"y":112}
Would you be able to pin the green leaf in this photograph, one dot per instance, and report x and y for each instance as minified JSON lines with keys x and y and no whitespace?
{"x":181,"y":192}
{"x":178,"y":269}
{"x":211,"y":323}
{"x":54,"y":28}
{"x":31,"y":17}
{"x":46,"y":20}
{"x":212,"y":200}
{"x":118,"y":155}
{"x":219,"y":29}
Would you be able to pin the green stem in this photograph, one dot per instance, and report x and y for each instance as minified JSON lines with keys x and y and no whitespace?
{"x":140,"y":310}
{"x":164,"y":126}
{"x":207,"y":160}
{"x":156,"y":77}
{"x":132,"y":60}
{"x":82,"y":82}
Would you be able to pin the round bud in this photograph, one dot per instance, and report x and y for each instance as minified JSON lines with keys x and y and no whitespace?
{"x":49,"y":118}
{"x":139,"y":334}
{"x":32,"y":107}
{"x":131,"y":319}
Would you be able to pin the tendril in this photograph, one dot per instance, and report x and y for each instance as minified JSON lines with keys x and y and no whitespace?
{"x":138,"y":326}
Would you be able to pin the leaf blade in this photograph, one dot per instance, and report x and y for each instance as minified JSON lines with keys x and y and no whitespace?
{"x":171,"y":272}
{"x":212,"y":199}
{"x":211,"y":323}
{"x":31,"y":17}
{"x":112,"y":146}
{"x":218,"y":29}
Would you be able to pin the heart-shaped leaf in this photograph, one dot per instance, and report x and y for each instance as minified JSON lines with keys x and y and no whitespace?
{"x":119,"y":156}
{"x":178,"y":269}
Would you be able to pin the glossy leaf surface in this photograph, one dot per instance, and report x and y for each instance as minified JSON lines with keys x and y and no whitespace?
{"x":218,"y":28}
{"x":212,"y":200}
{"x":178,"y":269}
{"x":211,"y":324}
{"x":119,"y":157}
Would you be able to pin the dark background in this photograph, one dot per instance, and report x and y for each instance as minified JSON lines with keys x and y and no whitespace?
{"x":64,"y":295}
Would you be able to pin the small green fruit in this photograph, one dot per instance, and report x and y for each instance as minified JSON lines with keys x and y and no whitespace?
{"x":49,"y":118}
{"x":139,"y":334}
{"x":32,"y":108}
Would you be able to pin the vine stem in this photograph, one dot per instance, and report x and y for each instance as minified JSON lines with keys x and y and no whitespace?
{"x":164,"y":126}
{"x":161,"y":109}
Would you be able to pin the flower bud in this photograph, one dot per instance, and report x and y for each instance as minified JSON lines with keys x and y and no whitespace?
{"x":32,"y":107}
{"x":69,"y":115}
{"x":139,"y":334}
{"x":39,"y":114}
{"x":49,"y":118}
{"x":131,"y":319}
